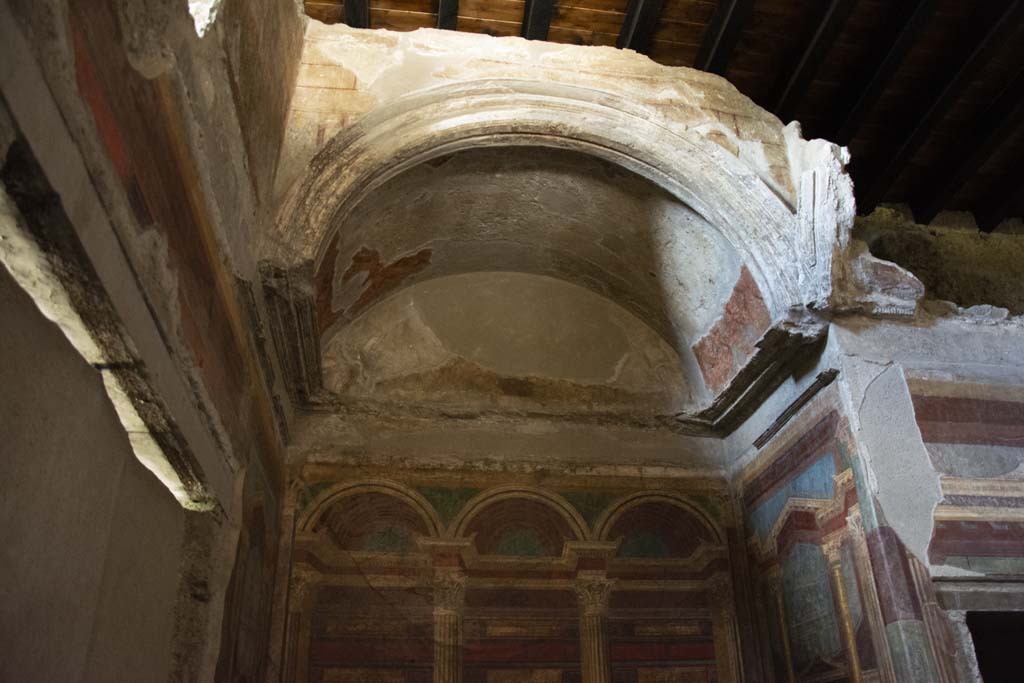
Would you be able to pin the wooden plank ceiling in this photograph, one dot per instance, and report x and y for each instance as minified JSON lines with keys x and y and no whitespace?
{"x":927,"y":94}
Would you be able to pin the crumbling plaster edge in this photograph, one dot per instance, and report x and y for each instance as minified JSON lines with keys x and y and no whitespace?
{"x":30,"y":269}
{"x":448,"y":118}
{"x":45,"y":128}
{"x":898,"y":470}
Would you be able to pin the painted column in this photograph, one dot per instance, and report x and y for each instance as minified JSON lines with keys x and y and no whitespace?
{"x":832,"y":549}
{"x":298,"y":627}
{"x":774,"y":582}
{"x":449,"y":598}
{"x":869,"y":594}
{"x":276,"y":660}
{"x":723,"y":625}
{"x":936,"y":622}
{"x":593,"y":591}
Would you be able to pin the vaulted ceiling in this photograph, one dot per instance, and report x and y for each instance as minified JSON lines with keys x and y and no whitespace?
{"x":927,"y":94}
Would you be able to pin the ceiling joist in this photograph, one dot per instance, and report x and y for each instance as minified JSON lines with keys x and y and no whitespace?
{"x":825,"y":33}
{"x":948,"y":93}
{"x":883,"y":73}
{"x":537,"y":19}
{"x":638,"y":26}
{"x":357,"y":13}
{"x":448,"y":14}
{"x":986,"y":134}
{"x":722,"y":35}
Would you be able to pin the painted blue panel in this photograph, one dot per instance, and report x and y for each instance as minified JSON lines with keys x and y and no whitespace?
{"x":810,"y":610}
{"x":814,"y":482}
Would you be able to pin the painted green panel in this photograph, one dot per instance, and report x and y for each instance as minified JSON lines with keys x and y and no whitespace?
{"x":447,"y":502}
{"x":590,"y":504}
{"x":520,"y":543}
{"x":709,"y":505}
{"x":308,"y":494}
{"x":389,"y":540}
{"x":644,"y":544}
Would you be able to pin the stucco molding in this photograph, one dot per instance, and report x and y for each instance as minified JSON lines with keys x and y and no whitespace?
{"x":607,"y":520}
{"x":406,"y":495}
{"x":437,"y":121}
{"x":476,"y":505}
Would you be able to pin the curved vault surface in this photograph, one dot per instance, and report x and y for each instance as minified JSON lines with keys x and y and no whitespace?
{"x":547,"y":213}
{"x":718,"y":237}
{"x":505,"y":340}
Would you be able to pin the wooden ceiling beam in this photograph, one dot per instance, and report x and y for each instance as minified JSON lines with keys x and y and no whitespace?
{"x":879,"y":79}
{"x":448,"y":14}
{"x":537,"y":19}
{"x":638,"y":26}
{"x":986,"y":134}
{"x":357,"y":13}
{"x":722,"y":35}
{"x":950,"y":91}
{"x":829,"y":26}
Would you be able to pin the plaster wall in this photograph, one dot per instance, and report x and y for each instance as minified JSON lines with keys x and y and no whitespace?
{"x":90,"y":541}
{"x":505,"y":339}
{"x":398,"y":438}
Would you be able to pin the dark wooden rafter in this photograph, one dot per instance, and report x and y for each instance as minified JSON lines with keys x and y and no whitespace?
{"x":638,"y":26}
{"x":722,"y":35}
{"x":988,"y":132}
{"x":448,"y":14}
{"x":537,"y":19}
{"x":921,"y":130}
{"x":357,"y":13}
{"x":828,"y":28}
{"x":883,"y":73}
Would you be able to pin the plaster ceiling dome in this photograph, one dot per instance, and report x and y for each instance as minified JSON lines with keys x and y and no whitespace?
{"x":523,"y":277}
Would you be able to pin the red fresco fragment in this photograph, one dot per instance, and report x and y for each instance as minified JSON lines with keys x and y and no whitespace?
{"x":732,"y":340}
{"x":381,"y":278}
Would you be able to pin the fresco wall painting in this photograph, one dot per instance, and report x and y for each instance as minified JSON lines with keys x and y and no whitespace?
{"x":974,"y":434}
{"x":395,"y":582}
{"x":839,"y":596}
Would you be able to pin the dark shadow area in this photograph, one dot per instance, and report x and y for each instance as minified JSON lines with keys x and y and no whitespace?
{"x":998,"y":637}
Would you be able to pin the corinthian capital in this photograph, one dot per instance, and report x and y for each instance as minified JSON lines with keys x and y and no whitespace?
{"x":303,"y":584}
{"x":593,"y":592}
{"x":449,"y":590}
{"x":831,"y":547}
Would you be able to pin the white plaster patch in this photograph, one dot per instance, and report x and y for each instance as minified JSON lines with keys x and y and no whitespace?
{"x":906,"y":484}
{"x":204,"y":13}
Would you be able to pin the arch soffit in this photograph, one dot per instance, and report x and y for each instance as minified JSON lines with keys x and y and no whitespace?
{"x":395,"y":490}
{"x":481,"y":501}
{"x":447,"y":119}
{"x":608,"y":518}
